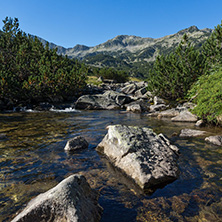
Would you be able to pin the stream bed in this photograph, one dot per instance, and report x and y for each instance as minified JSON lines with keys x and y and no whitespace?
{"x":33,"y":160}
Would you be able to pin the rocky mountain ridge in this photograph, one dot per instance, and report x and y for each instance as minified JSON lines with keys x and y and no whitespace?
{"x":132,"y":52}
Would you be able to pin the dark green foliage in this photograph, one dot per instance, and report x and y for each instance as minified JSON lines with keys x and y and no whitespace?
{"x":173,"y":74}
{"x":112,"y":74}
{"x":212,"y":49}
{"x":207,"y":91}
{"x":208,"y":96}
{"x":31,"y":72}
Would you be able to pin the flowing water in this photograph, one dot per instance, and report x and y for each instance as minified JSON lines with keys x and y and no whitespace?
{"x":32,"y":160}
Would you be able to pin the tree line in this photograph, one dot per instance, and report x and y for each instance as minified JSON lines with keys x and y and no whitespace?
{"x":31,"y":72}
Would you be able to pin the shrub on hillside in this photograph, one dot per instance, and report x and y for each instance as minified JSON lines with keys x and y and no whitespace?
{"x":173,"y":74}
{"x":207,"y":93}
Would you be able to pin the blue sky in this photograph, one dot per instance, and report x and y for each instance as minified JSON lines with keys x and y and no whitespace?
{"x":91,"y":22}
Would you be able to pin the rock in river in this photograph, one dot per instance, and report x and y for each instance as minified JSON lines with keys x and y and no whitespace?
{"x":149,"y":159}
{"x":76,"y":143}
{"x":216,"y":140}
{"x":191,"y":133}
{"x":109,"y":100}
{"x":71,"y":200}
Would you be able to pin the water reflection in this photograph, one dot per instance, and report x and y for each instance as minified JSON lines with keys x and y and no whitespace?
{"x":32,"y":160}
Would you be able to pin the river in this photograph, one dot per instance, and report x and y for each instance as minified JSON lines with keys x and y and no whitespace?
{"x":33,"y":160}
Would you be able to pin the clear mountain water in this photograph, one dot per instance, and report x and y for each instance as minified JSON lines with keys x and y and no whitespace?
{"x":33,"y":160}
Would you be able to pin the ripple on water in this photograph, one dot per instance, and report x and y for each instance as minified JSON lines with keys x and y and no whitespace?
{"x":32,"y":160}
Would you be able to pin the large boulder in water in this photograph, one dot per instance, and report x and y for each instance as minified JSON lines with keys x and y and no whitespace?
{"x":71,"y":200}
{"x":149,"y":159}
{"x":109,"y":100}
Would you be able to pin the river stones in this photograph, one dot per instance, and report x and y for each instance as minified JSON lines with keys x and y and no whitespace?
{"x":216,"y":140}
{"x":108,"y":100}
{"x":76,"y":143}
{"x":149,"y":159}
{"x":71,"y":200}
{"x":191,"y":133}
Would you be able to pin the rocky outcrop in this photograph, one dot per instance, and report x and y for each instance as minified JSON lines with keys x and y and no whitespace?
{"x":216,"y":140}
{"x":149,"y":159}
{"x":108,"y":100}
{"x":76,"y":143}
{"x":138,"y":106}
{"x":156,"y":108}
{"x":71,"y":200}
{"x":191,"y":133}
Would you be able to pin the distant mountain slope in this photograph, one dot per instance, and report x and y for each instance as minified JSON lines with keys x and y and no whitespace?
{"x":130,"y":52}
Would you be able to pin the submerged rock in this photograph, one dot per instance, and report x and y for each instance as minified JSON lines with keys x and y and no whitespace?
{"x":149,"y":159}
{"x":216,"y":140}
{"x":71,"y":200}
{"x":191,"y":133}
{"x":76,"y":143}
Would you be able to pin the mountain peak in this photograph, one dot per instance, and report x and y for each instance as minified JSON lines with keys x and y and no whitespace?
{"x":191,"y":29}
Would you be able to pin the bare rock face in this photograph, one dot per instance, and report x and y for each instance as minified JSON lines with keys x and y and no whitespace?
{"x":191,"y":133}
{"x":76,"y":143}
{"x":149,"y":159}
{"x":216,"y":140}
{"x":71,"y":200}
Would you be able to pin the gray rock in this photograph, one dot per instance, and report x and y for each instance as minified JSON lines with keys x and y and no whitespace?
{"x":76,"y":143}
{"x":129,"y":89}
{"x":185,"y":116}
{"x":191,"y":133}
{"x":219,"y":119}
{"x":216,"y":140}
{"x":149,"y":159}
{"x":199,"y":123}
{"x":154,"y":108}
{"x":189,"y":105}
{"x":108,"y":100}
{"x":138,"y":106}
{"x":158,"y":101}
{"x":140,"y":92}
{"x":135,"y":108}
{"x":71,"y":200}
{"x":168,"y":113}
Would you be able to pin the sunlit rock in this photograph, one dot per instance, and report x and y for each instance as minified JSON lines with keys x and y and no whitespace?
{"x":185,"y":116}
{"x":149,"y":159}
{"x":216,"y":140}
{"x":71,"y":200}
{"x":191,"y":133}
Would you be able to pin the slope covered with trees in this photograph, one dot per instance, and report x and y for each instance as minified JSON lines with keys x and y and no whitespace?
{"x":195,"y":74}
{"x":31,"y":72}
